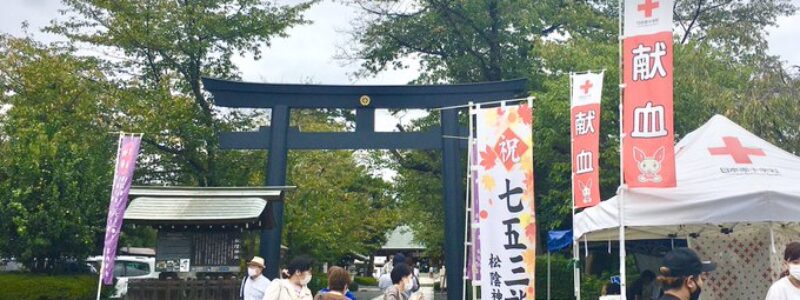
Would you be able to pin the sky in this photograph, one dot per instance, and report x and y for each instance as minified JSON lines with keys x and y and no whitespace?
{"x":307,"y":54}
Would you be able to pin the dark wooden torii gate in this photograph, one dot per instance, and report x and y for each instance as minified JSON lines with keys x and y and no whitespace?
{"x":278,"y":138}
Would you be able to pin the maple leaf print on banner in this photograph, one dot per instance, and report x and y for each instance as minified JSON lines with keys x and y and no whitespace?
{"x":526,"y":114}
{"x":488,"y":158}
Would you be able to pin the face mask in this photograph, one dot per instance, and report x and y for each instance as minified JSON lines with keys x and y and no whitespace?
{"x":794,"y":270}
{"x":409,"y":283}
{"x":252,"y":271}
{"x":696,"y":294}
{"x":306,"y":280}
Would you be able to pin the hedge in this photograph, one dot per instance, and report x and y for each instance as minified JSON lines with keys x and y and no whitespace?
{"x":25,"y":286}
{"x":320,"y":281}
{"x":371,"y":281}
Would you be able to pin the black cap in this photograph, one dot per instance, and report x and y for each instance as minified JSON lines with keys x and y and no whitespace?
{"x":684,"y":262}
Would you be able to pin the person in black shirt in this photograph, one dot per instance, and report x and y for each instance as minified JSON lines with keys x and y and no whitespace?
{"x":683,"y":274}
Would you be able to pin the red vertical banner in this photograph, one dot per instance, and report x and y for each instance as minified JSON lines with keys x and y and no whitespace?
{"x":648,"y":145}
{"x":586,"y":93}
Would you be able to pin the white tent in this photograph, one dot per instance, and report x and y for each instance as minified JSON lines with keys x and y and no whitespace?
{"x":737,"y":202}
{"x":727,"y":177}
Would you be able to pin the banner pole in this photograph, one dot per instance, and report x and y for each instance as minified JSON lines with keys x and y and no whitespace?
{"x":576,"y":247}
{"x":621,"y":190}
{"x":468,"y":243}
{"x":100,"y":280}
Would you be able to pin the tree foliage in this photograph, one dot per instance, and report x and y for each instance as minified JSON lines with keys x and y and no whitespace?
{"x":721,"y":66}
{"x":166,"y":47}
{"x":340,"y":207}
{"x":55,"y":152}
{"x":464,"y":41}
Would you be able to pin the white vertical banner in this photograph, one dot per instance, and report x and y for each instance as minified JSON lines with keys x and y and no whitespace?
{"x":507,"y":216}
{"x":644,"y":17}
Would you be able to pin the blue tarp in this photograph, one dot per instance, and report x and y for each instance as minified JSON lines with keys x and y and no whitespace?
{"x":558,"y":239}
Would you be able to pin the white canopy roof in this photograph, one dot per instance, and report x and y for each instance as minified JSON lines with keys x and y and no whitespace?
{"x":726,"y":177}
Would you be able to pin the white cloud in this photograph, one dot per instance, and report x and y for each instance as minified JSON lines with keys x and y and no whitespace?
{"x":307,"y":54}
{"x":783,"y":39}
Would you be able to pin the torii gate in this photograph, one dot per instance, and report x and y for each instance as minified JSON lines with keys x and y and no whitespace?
{"x":278,"y":138}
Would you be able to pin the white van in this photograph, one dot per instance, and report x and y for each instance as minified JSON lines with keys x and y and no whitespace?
{"x":125,"y":267}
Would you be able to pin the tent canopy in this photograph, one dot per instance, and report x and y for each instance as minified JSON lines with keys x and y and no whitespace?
{"x":726,"y":177}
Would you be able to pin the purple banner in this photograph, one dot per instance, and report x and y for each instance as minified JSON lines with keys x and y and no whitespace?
{"x":123,"y":174}
{"x":473,"y":256}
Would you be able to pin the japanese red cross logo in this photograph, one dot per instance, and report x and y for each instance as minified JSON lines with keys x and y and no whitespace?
{"x":734,"y":149}
{"x":647,"y":16}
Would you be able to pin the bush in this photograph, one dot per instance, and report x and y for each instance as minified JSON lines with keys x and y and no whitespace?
{"x":320,"y":281}
{"x":371,"y":281}
{"x":23,"y":286}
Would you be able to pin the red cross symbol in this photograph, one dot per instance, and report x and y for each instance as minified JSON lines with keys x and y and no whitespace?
{"x":586,"y":86}
{"x":648,"y":6}
{"x":733,"y":147}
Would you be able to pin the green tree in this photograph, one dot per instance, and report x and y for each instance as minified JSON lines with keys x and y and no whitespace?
{"x":167,"y":46}
{"x":56,"y":153}
{"x":340,"y":207}
{"x":720,"y":62}
{"x":466,"y":41}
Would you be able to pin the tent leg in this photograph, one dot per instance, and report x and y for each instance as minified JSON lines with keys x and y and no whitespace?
{"x":576,"y":272}
{"x":622,"y":267}
{"x":548,"y":275}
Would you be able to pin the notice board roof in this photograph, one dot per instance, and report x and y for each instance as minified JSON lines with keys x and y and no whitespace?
{"x":202,"y":205}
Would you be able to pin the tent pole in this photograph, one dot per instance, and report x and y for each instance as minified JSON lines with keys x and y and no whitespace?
{"x":621,"y":191}
{"x":548,"y":274}
{"x":622,"y":253}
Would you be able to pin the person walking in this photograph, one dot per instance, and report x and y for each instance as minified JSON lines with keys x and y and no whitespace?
{"x":385,"y":281}
{"x":788,"y":287}
{"x":401,"y":280}
{"x":338,"y":281}
{"x":254,"y":284}
{"x":295,"y":286}
{"x":335,"y":276}
{"x":409,"y":261}
{"x":683,"y":274}
{"x":387,"y":265}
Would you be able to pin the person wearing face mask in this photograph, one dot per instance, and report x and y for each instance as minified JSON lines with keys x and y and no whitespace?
{"x":788,"y":287}
{"x":401,"y":279}
{"x":683,"y":274}
{"x":254,"y":284}
{"x":295,"y":285}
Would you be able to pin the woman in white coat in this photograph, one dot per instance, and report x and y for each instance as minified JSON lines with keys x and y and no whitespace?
{"x":788,"y":287}
{"x":295,"y":286}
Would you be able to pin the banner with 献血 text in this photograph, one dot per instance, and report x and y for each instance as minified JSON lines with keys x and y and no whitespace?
{"x":507,"y":218}
{"x":586,"y":92}
{"x":648,"y":155}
